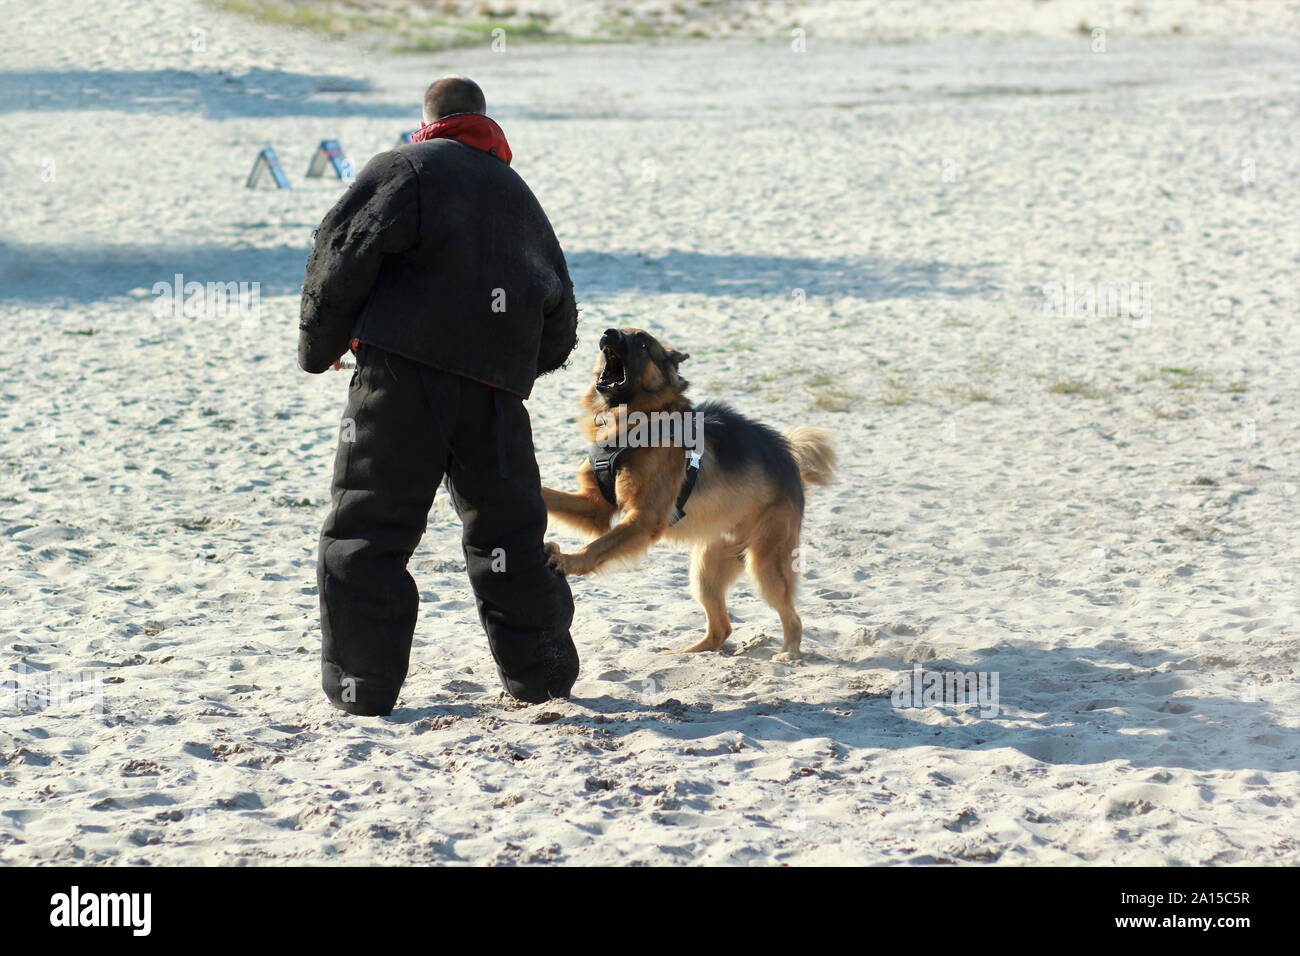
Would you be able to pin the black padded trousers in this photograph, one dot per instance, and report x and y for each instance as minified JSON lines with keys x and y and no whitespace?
{"x":407,"y":426}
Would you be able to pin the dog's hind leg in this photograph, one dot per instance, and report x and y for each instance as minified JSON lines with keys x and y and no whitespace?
{"x":714,"y":566}
{"x":771,"y":564}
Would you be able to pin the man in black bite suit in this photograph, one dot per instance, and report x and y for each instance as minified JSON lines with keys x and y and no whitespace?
{"x":441,"y":270}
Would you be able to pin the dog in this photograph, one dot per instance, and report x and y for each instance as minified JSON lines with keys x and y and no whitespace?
{"x":705,"y":475}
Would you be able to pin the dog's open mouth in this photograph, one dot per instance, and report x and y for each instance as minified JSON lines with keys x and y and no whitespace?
{"x":614,"y":374}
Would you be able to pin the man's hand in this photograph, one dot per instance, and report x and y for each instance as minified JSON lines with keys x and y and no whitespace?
{"x":349,"y":358}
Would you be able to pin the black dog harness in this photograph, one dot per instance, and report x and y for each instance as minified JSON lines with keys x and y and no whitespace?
{"x":604,"y":464}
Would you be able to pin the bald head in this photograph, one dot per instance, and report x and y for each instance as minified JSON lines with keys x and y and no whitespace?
{"x":450,"y":95}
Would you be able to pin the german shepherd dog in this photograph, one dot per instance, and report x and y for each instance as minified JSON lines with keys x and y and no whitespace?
{"x":743,"y":510}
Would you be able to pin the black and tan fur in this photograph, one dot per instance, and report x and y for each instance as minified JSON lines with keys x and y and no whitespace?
{"x":744,"y":513}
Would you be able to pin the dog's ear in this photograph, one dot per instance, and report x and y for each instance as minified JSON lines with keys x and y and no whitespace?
{"x":676,"y":358}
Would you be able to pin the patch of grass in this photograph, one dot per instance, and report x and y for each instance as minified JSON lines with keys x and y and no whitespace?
{"x":780,"y":375}
{"x":432,"y":25}
{"x":895,"y":392}
{"x":417,"y":30}
{"x":834,"y":400}
{"x":293,"y":15}
{"x":636,"y":29}
{"x":487,"y":28}
{"x":1068,"y":388}
{"x":1182,"y":378}
{"x":827,"y":396}
{"x":966,"y":393}
{"x":1075,"y":387}
{"x":453,"y":36}
{"x":1178,"y":378}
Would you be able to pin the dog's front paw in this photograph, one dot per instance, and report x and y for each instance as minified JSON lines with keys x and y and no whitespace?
{"x":557,"y":560}
{"x":563,"y":563}
{"x":554,"y":557}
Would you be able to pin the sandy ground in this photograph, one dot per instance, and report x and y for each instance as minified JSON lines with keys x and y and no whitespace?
{"x":1100,"y":510}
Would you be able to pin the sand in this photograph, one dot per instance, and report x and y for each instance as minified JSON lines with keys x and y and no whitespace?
{"x":893,"y":240}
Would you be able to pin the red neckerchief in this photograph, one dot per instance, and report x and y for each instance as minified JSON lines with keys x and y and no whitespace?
{"x":472,"y":129}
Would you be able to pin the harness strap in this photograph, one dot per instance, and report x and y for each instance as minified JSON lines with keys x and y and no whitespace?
{"x":604,"y":465}
{"x":603,"y":460}
{"x":688,"y":485}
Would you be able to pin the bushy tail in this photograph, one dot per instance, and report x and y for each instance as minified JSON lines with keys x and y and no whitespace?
{"x":813,"y":452}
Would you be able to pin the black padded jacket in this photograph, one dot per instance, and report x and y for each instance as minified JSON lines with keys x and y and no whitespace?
{"x":441,"y":253}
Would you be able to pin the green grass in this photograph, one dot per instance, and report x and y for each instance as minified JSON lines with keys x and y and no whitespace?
{"x":834,"y":400}
{"x":1068,"y":388}
{"x":965,"y":393}
{"x":294,"y":15}
{"x":783,"y":375}
{"x":1179,"y":378}
{"x":1183,"y":378}
{"x":426,"y":26}
{"x":827,"y":397}
{"x":416,"y":30}
{"x":895,"y":392}
{"x":1074,"y":387}
{"x":636,"y":30}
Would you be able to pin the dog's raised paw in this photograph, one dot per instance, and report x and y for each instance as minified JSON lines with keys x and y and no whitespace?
{"x":567,"y":564}
{"x":554,"y":557}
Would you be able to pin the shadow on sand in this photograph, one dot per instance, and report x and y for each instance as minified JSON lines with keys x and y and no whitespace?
{"x":1117,"y":709}
{"x":747,"y":276}
{"x":81,"y":274}
{"x":216,"y":94}
{"x":86,"y":273}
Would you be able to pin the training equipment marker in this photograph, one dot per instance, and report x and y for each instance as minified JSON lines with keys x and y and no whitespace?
{"x":268,"y":161}
{"x":329,"y":151}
